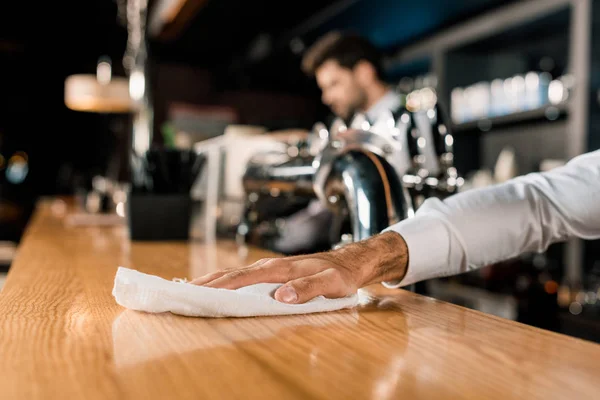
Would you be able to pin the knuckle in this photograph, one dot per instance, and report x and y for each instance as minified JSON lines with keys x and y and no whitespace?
{"x":268,"y":262}
{"x":307,"y":285}
{"x":283,"y":267}
{"x":260,"y":262}
{"x":340,"y":285}
{"x":237,"y":273}
{"x":335,"y":275}
{"x":287,"y":271}
{"x":214,"y":275}
{"x":275,"y":262}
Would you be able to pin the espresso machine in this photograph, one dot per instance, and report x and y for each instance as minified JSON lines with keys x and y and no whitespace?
{"x":364,"y":177}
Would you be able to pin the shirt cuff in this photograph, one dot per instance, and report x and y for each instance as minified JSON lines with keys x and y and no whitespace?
{"x":427,"y":240}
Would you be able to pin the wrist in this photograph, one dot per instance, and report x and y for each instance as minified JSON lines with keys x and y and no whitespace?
{"x":390,"y":257}
{"x":383,"y":257}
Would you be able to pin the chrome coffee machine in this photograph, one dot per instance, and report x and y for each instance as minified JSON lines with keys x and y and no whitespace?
{"x":366,"y":176}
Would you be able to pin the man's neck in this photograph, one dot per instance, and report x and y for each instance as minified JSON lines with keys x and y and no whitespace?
{"x":374,"y":94}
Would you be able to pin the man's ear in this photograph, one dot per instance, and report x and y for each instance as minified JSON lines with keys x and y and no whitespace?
{"x":364,"y":73}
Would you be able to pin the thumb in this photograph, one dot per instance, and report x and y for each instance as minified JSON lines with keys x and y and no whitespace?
{"x":328,"y":283}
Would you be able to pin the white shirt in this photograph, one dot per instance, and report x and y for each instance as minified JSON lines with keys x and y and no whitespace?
{"x":389,"y":102}
{"x":484,"y":226}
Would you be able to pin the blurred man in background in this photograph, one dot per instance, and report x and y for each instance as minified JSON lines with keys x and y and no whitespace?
{"x":349,"y":71}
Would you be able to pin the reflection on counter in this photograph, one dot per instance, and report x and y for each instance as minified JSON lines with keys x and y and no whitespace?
{"x":130,"y":351}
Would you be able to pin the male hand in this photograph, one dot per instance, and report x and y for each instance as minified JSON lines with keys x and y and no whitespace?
{"x":333,"y":274}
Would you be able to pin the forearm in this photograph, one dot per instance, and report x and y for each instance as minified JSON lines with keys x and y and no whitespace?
{"x":488,"y":225}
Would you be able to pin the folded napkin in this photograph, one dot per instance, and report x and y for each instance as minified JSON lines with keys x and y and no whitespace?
{"x":143,"y":292}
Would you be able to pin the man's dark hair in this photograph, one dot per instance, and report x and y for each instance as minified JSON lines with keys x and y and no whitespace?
{"x":347,"y":49}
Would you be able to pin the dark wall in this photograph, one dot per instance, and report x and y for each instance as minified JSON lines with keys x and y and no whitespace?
{"x":178,"y":83}
{"x":40,"y":45}
{"x":196,"y":86}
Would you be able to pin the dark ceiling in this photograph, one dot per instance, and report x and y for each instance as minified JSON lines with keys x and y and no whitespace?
{"x":257,"y":43}
{"x":226,"y":35}
{"x":223,"y":28}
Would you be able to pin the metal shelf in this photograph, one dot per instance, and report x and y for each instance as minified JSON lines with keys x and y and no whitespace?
{"x":478,"y":28}
{"x":544,"y":114}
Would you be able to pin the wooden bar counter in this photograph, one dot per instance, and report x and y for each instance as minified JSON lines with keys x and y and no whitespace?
{"x":62,"y":336}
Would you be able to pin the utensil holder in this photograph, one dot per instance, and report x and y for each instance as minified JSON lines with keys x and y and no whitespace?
{"x":154,"y":217}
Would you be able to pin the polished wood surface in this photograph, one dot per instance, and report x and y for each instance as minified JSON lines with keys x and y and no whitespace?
{"x":63,"y":336}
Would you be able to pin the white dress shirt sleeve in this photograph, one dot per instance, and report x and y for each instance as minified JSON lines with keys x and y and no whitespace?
{"x":484,"y":226}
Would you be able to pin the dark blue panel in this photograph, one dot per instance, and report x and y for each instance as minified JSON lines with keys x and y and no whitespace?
{"x":389,"y":23}
{"x":414,"y":68}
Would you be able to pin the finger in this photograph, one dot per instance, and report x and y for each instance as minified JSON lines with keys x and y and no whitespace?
{"x":329,"y":283}
{"x":275,"y":270}
{"x":268,"y":270}
{"x":209,"y":277}
{"x":203,"y":280}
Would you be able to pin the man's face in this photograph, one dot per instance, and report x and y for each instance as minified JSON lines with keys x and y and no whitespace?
{"x":340,"y":88}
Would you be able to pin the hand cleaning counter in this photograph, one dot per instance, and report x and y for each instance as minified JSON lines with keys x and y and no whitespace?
{"x":62,"y":335}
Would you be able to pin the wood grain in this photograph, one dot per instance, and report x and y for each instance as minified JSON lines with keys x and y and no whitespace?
{"x":63,"y":336}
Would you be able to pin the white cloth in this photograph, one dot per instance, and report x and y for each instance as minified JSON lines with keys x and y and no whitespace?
{"x":483,"y":226}
{"x":149,"y":293}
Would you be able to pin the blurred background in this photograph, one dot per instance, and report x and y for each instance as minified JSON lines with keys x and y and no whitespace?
{"x":520,"y":81}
